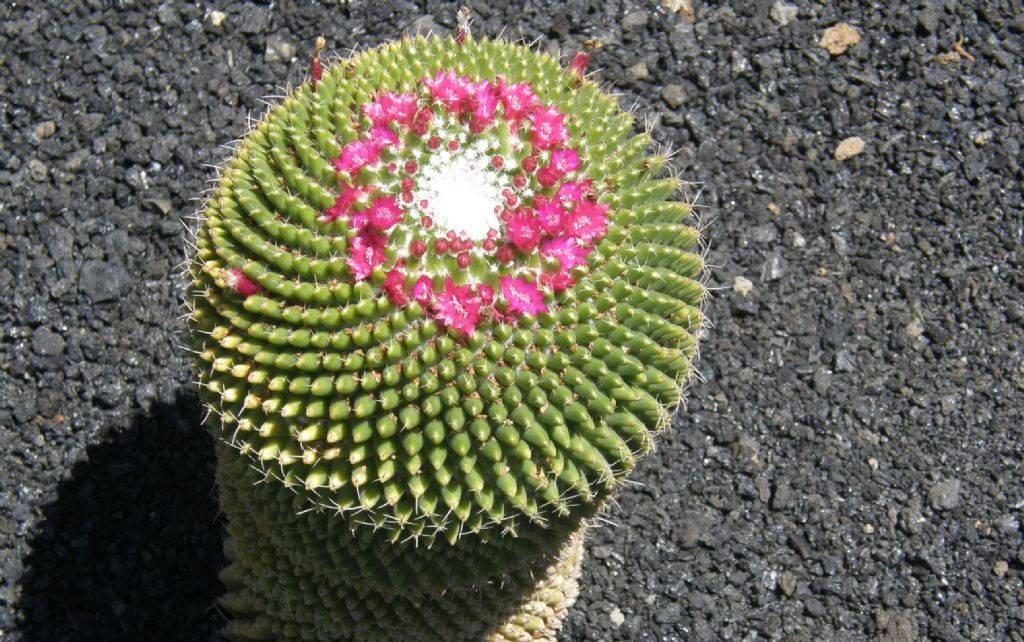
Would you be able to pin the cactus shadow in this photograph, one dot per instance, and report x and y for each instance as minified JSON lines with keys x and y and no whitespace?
{"x":131,"y":547}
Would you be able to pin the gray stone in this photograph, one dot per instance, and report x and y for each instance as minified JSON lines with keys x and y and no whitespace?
{"x":111,"y":393}
{"x":674,"y":95}
{"x":100,"y":281}
{"x":90,"y":122}
{"x":783,"y":497}
{"x":740,"y":64}
{"x":845,"y":361}
{"x":38,"y":170}
{"x":24,"y":408}
{"x":766,"y":233}
{"x":638,"y":71}
{"x":634,"y":20}
{"x":688,"y":533}
{"x":601,"y":552}
{"x":773,"y":268}
{"x":669,"y":614}
{"x":815,"y":608}
{"x":896,"y":626}
{"x":945,"y":495}
{"x":47,"y":343}
{"x":145,"y":395}
{"x":254,"y":19}
{"x":928,"y":19}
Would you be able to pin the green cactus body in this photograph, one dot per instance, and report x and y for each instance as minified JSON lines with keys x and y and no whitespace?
{"x":441,"y":302}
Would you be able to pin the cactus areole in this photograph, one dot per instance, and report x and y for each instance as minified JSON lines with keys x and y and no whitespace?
{"x":441,"y":300}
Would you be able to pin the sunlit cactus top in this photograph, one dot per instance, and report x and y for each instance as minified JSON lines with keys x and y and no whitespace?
{"x":441,"y":289}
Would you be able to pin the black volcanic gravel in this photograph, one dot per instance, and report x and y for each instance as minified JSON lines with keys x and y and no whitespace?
{"x":848,"y":467}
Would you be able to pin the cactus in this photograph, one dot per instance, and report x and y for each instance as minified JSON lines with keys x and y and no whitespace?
{"x":440,"y":302}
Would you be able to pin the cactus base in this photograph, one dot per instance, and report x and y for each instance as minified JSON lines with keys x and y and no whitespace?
{"x":275,"y":594}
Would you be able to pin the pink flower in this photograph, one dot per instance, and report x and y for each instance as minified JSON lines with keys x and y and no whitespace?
{"x":358,"y":220}
{"x":423,"y":290}
{"x":557,"y":282}
{"x":572,"y":192}
{"x":381,"y":137}
{"x":365,"y":252}
{"x":565,"y":160}
{"x":523,"y":229}
{"x":549,"y":128}
{"x":384,"y":213}
{"x":482,"y":102}
{"x":240,"y":283}
{"x":448,"y":89}
{"x":394,"y":285}
{"x":458,"y":307}
{"x":567,"y":250}
{"x":357,"y":155}
{"x":343,"y":203}
{"x":523,"y":297}
{"x":486,"y":293}
{"x":588,"y":221}
{"x":388,"y":107}
{"x":517,"y":99}
{"x":552,"y":218}
{"x":503,"y":317}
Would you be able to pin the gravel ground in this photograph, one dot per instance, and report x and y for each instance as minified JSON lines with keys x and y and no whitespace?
{"x":848,"y":468}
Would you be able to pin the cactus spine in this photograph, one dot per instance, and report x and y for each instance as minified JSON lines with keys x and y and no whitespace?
{"x":441,"y":302}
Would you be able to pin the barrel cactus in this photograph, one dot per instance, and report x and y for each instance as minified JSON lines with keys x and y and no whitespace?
{"x":441,"y":300}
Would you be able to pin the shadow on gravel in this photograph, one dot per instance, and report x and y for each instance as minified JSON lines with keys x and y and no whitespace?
{"x":131,"y":547}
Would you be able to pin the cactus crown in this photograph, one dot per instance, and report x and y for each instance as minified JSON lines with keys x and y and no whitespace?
{"x":441,"y":290}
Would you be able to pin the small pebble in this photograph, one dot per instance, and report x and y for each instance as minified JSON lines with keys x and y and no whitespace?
{"x":616,"y":617}
{"x":45,"y":129}
{"x":47,"y":343}
{"x":638,"y":71}
{"x":849,"y":148}
{"x":945,"y":495}
{"x":783,"y":13}
{"x":836,"y":40}
{"x":742,"y":286}
{"x":787,"y":583}
{"x":602,"y":552}
{"x":1000,"y":568}
{"x":38,"y":170}
{"x":217,"y":18}
{"x":928,"y":19}
{"x":674,"y":95}
{"x":773,"y":268}
{"x":279,"y":50}
{"x":983,"y":138}
{"x":914,"y":329}
{"x":634,"y":20}
{"x":682,"y":7}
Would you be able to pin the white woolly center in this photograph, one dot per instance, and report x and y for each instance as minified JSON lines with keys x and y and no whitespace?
{"x":462,"y":190}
